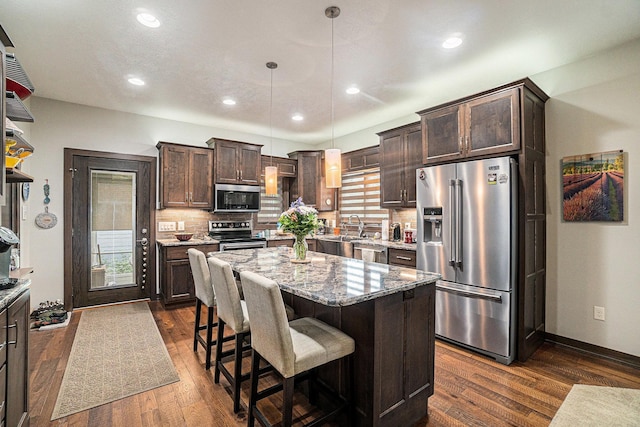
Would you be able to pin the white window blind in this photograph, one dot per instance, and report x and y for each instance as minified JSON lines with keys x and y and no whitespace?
{"x":360,"y":195}
{"x":270,"y":206}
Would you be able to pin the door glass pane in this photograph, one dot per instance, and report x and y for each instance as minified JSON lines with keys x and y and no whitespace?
{"x":112,"y":225}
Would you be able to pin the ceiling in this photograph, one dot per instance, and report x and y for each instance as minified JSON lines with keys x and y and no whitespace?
{"x":83,"y":52}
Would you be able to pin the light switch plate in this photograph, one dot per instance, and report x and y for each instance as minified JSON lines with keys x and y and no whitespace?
{"x":166,"y":226}
{"x":180,"y":225}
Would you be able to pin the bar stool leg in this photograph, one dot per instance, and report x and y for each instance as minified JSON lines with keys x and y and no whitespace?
{"x":209,"y":337}
{"x":216,"y":371}
{"x":253,"y":394}
{"x":237,"y":372}
{"x":197,"y":326}
{"x":287,"y":397}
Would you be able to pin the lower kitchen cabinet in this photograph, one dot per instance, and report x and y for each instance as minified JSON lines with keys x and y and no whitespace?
{"x":176,"y":280}
{"x":402,"y":257}
{"x":14,"y":373}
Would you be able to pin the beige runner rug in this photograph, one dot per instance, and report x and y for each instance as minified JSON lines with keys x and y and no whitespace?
{"x":117,"y":352}
{"x":588,"y":405}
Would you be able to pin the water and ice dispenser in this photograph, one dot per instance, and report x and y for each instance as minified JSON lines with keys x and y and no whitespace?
{"x":432,"y":226}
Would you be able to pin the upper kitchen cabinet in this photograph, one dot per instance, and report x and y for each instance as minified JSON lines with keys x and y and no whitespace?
{"x":235,"y":162}
{"x":478,"y":126}
{"x":185,"y":176}
{"x":400,"y":156}
{"x":287,"y":168}
{"x":365,"y":158}
{"x":309,"y":182}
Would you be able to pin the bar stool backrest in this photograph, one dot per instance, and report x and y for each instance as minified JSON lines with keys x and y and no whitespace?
{"x":227,"y":294}
{"x":201,"y":277}
{"x":270,"y":334}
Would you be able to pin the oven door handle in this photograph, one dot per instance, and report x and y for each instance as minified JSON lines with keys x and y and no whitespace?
{"x":242,"y":245}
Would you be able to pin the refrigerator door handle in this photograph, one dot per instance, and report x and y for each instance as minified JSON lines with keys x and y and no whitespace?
{"x":467,"y":293}
{"x":458,"y":262}
{"x":452,"y":226}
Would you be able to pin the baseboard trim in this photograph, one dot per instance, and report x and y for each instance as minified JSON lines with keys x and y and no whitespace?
{"x":618,"y":356}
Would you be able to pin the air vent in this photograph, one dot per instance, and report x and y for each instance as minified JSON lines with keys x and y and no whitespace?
{"x":17,"y":79}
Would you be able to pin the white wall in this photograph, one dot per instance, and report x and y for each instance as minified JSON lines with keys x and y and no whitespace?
{"x":62,"y":125}
{"x":594,"y":107}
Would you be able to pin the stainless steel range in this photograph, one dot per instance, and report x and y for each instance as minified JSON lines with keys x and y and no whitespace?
{"x":234,"y":235}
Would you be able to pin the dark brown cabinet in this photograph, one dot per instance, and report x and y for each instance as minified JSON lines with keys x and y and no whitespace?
{"x":310,"y":184}
{"x":236,"y":162}
{"x":402,"y":257}
{"x":185,"y":176}
{"x":400,"y":156}
{"x":15,"y":371}
{"x":176,"y":280}
{"x":287,"y":168}
{"x":485,"y":125}
{"x":365,"y":158}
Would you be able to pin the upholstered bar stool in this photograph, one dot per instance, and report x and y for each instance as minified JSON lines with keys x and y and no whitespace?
{"x":294,"y":349}
{"x":232,"y":311}
{"x":204,"y":295}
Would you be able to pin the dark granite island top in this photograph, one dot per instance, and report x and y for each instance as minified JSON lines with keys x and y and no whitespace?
{"x":328,"y":279}
{"x":389,"y":311}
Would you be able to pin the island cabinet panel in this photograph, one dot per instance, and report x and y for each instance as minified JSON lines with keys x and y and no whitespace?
{"x":236,"y":162}
{"x":176,"y":279}
{"x":485,"y":125}
{"x":393,"y":362}
{"x":185,"y":176}
{"x":400,"y":156}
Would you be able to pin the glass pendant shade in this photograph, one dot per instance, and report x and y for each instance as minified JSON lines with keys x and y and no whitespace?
{"x":271,"y":180}
{"x":333,"y":167}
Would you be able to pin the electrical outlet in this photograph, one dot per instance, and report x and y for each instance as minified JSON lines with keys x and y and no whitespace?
{"x":166,"y":226}
{"x":598,"y":312}
{"x":180,"y":225}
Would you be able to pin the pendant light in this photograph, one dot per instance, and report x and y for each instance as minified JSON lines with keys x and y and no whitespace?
{"x":332,"y":158}
{"x":271,"y":172}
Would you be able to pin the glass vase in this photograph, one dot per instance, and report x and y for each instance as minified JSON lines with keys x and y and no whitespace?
{"x":300,"y":248}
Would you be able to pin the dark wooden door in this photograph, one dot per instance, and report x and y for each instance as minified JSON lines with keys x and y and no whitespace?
{"x":174,"y":179}
{"x":200,"y":173}
{"x":492,"y":123}
{"x":249,"y":164}
{"x":110,"y":227}
{"x":442,"y":132}
{"x":391,"y":170}
{"x":226,"y":167}
{"x":413,"y":160}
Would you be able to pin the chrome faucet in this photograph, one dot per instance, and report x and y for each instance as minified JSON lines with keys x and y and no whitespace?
{"x":360,"y":225}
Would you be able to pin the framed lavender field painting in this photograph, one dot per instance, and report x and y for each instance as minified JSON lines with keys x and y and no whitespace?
{"x":593,"y":187}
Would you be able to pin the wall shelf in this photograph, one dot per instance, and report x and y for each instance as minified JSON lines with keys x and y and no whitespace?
{"x":21,"y":142}
{"x":16,"y":110}
{"x":16,"y":175}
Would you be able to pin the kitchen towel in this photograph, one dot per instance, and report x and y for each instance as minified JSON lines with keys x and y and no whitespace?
{"x":368,"y":255}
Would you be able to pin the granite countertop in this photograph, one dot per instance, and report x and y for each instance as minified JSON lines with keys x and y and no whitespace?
{"x":332,"y":238}
{"x":190,"y":242}
{"x":7,"y":296}
{"x":328,"y":279}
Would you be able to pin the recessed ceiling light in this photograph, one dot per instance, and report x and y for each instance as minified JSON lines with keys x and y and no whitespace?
{"x":452,"y":42}
{"x":229,"y":101}
{"x":148,"y":20}
{"x":352,"y":90}
{"x":136,"y":81}
{"x":297,"y":117}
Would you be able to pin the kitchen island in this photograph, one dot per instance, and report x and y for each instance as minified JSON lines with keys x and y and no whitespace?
{"x":389,"y":311}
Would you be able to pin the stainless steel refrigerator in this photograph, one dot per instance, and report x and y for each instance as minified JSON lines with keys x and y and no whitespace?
{"x":467,"y":232}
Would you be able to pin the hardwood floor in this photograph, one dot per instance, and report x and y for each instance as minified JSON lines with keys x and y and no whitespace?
{"x":470,"y":389}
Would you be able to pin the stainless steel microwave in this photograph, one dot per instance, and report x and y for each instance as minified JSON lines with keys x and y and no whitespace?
{"x":236,"y":198}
